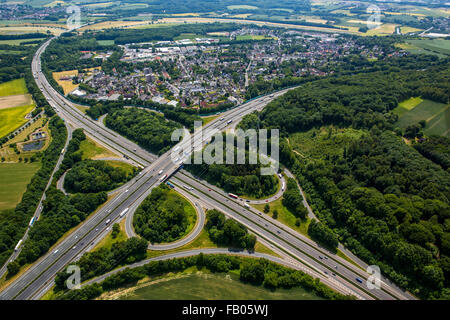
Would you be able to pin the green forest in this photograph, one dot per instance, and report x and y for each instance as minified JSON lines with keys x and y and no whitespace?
{"x":163,"y":216}
{"x":385,"y":200}
{"x":240,"y":179}
{"x":228,"y":232}
{"x":94,"y":176}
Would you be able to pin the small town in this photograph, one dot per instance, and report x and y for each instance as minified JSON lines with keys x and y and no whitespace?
{"x":185,"y":72}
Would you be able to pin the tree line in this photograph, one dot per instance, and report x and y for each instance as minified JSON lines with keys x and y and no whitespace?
{"x":228,"y":232}
{"x":256,"y":271}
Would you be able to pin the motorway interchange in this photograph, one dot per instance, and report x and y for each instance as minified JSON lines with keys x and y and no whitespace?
{"x":297,"y":250}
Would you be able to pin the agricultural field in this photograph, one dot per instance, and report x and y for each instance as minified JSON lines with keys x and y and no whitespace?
{"x":13,"y":87}
{"x":32,"y":29}
{"x":199,"y":285}
{"x":67,"y":85}
{"x":438,"y":47}
{"x":437,"y":116}
{"x":15,"y":178}
{"x":114,"y":24}
{"x":407,"y":105}
{"x":18,"y":42}
{"x":13,"y":118}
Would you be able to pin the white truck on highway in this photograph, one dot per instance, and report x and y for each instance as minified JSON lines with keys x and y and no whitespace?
{"x":18,"y":245}
{"x":124,"y":212}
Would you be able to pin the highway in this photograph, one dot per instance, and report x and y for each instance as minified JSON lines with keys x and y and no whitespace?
{"x":300,"y":251}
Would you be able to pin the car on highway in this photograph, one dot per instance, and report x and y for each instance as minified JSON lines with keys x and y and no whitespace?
{"x":108,"y":221}
{"x":56,"y":251}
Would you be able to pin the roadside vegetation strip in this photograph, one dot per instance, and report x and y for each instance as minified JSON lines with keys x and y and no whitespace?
{"x":80,"y":239}
{"x":308,"y":255}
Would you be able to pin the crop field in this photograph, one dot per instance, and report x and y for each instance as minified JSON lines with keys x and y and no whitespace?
{"x":438,"y":47}
{"x":243,"y":6}
{"x":407,"y":105}
{"x":67,"y":85}
{"x":437,"y":116}
{"x":114,"y":24}
{"x":13,"y":118}
{"x":203,"y":286}
{"x":15,"y":178}
{"x":32,"y":29}
{"x":17,"y":42}
{"x":13,"y":87}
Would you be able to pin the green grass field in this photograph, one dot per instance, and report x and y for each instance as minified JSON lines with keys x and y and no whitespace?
{"x":92,"y":150}
{"x":128,"y":168}
{"x":407,"y":105}
{"x":13,"y":87}
{"x":436,"y":115}
{"x":14,"y":179}
{"x":312,"y":143}
{"x":207,"y":286}
{"x":13,"y":118}
{"x":285,"y":216}
{"x":438,"y":47}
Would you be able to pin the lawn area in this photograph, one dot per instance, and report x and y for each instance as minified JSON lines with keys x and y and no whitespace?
{"x":81,"y":108}
{"x":285,"y":216}
{"x":203,"y":285}
{"x":13,"y":87}
{"x":14,"y":179}
{"x":92,"y":150}
{"x":13,"y":118}
{"x":434,"y":113}
{"x":108,"y":241}
{"x":207,"y":120}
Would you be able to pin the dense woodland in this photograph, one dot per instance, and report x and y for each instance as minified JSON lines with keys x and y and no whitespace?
{"x":386,"y":201}
{"x":228,"y":232}
{"x":148,"y":129}
{"x":240,"y":179}
{"x":161,"y":217}
{"x":94,"y":176}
